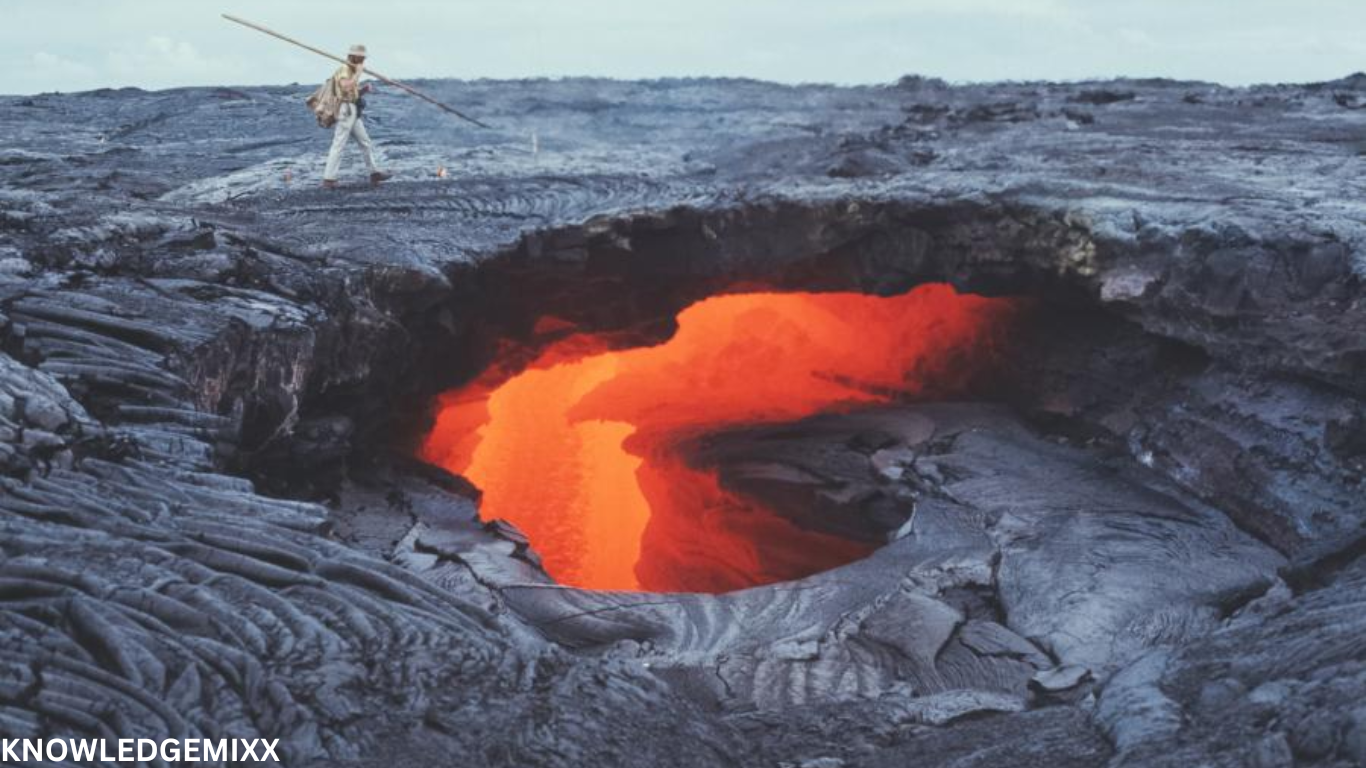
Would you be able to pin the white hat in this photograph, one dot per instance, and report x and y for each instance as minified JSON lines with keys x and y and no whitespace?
{"x":356,"y":50}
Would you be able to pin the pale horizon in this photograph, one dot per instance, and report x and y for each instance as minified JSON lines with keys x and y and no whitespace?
{"x":157,"y":44}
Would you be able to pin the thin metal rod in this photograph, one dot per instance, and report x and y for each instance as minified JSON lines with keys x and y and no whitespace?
{"x":371,"y":72}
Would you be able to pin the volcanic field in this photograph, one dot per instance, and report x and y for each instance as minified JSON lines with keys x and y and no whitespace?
{"x":725,"y":424}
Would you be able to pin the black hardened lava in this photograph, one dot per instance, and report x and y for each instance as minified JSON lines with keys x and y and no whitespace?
{"x":1138,"y":544}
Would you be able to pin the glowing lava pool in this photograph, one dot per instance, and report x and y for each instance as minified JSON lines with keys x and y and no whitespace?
{"x":577,"y":450}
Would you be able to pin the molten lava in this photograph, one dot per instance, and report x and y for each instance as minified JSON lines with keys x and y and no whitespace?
{"x":577,"y":449}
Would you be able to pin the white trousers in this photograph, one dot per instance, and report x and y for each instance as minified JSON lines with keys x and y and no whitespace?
{"x":349,"y":125}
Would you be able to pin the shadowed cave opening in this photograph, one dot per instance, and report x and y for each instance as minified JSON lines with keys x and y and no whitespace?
{"x":591,"y":451}
{"x":578,"y":306}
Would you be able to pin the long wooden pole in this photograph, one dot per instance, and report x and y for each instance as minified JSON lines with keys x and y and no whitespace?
{"x":372,"y":73}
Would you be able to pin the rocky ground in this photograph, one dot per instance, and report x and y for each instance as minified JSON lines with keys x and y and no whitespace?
{"x":1142,"y":544}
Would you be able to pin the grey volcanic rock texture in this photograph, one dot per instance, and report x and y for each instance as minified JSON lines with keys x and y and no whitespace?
{"x":1147,"y":552}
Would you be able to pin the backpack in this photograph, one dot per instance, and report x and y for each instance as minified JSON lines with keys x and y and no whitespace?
{"x":324,"y":103}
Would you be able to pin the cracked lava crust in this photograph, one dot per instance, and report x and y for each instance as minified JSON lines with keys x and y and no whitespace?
{"x":1016,"y":424}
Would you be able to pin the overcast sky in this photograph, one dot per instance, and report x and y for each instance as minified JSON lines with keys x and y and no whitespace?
{"x":69,"y":45}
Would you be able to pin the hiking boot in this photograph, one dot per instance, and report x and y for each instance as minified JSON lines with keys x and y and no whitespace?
{"x":329,"y":183}
{"x":379,"y":176}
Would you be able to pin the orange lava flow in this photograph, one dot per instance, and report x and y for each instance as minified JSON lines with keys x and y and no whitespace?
{"x":577,"y":449}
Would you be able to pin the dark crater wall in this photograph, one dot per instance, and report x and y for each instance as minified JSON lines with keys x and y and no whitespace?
{"x":1274,"y":448}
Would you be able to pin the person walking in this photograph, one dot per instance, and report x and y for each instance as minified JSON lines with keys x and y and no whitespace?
{"x":348,"y":90}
